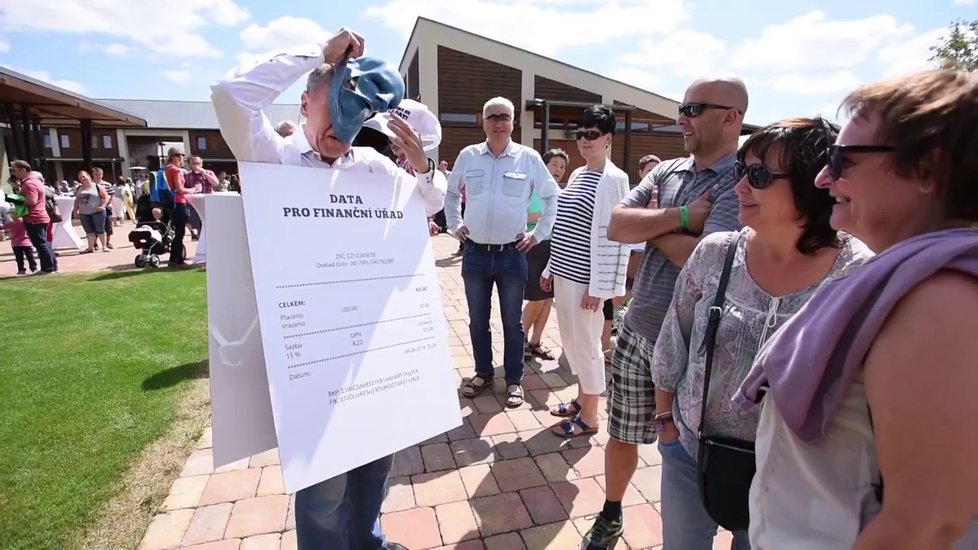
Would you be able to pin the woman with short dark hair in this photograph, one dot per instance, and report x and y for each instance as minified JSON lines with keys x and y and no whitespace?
{"x":586,"y":267}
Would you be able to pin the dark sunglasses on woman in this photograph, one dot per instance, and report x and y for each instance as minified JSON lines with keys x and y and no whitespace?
{"x":758,"y":175}
{"x":589,"y":135}
{"x":836,"y":155}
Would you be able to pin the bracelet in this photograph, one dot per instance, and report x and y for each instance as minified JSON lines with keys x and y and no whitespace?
{"x":683,"y":218}
{"x":663,"y":415}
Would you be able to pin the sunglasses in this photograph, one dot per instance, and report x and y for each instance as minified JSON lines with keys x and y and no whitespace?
{"x":836,"y":155}
{"x":499,"y":118}
{"x":758,"y":175}
{"x":693,"y":110}
{"x":589,"y":135}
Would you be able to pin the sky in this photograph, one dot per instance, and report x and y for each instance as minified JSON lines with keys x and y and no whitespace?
{"x":797,"y":57}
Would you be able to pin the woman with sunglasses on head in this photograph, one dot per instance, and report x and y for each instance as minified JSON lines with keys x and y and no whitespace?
{"x":586,"y":267}
{"x":784,"y":252}
{"x":867,"y":437}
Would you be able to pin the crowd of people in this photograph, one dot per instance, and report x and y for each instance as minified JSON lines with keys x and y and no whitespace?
{"x":799,"y":306}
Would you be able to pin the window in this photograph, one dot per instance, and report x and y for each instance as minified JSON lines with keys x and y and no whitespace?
{"x":106,"y":141}
{"x":201,"y":143}
{"x":47,"y":141}
{"x":637,"y":125}
{"x":65,"y":142}
{"x":94,"y":141}
{"x":459,"y":118}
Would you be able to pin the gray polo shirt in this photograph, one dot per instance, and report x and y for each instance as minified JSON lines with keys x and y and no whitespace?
{"x":679,"y":184}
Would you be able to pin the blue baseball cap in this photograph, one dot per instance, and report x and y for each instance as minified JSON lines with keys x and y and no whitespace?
{"x":360,"y":88}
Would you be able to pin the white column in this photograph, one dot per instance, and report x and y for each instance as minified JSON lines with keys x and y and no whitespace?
{"x":185,"y":136}
{"x":528,"y":87}
{"x":55,"y":142}
{"x":428,"y":77}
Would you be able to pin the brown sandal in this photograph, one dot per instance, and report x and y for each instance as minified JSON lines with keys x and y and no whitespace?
{"x":476,"y":385}
{"x":541,"y":351}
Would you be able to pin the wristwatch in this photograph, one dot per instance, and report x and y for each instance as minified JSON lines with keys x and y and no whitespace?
{"x":660,"y":421}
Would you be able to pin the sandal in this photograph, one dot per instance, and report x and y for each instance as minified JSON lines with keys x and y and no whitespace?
{"x":515,"y":397}
{"x":564,"y":409}
{"x":541,"y":351}
{"x":573,"y":427}
{"x":477,"y":385}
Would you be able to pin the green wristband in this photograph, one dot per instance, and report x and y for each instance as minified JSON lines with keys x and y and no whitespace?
{"x":683,"y":218}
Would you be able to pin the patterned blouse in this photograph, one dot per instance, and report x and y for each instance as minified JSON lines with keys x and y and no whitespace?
{"x":750,"y":316}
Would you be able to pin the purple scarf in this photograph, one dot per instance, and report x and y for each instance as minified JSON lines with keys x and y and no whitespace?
{"x":810,"y":362}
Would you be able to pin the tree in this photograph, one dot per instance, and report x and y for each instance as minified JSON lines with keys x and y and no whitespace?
{"x":958,"y":50}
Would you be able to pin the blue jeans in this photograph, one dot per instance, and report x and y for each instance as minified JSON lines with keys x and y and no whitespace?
{"x":507,"y":269}
{"x":685,"y":523}
{"x":38,"y":234}
{"x":344,"y":511}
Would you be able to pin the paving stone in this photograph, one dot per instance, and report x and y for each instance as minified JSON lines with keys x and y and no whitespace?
{"x":632,"y":496}
{"x":208,"y":524}
{"x":267,"y":458}
{"x":257,"y":516}
{"x":416,"y":529}
{"x":407,"y":462}
{"x":478,"y":481}
{"x":438,"y":488}
{"x":231,"y":486}
{"x":472,"y":451}
{"x":289,"y":541}
{"x":185,"y":493}
{"x":456,"y":522}
{"x":543,"y":505}
{"x":513,"y":475}
{"x":587,"y":462}
{"x":290,"y":519}
{"x":229,"y":544}
{"x":462,"y":432}
{"x":508,"y":446}
{"x":509,"y":541}
{"x":580,"y":497}
{"x":542,"y":441}
{"x":206,"y":440}
{"x":500,"y":514}
{"x":199,"y":463}
{"x":644,"y":526}
{"x":554,"y":536}
{"x":648,"y":482}
{"x":437,"y":457}
{"x":233,"y":466}
{"x":474,"y":544}
{"x":650,"y":454}
{"x":271,"y":482}
{"x":440,"y":438}
{"x":555,"y":468}
{"x":491,"y":424}
{"x":271,"y":541}
{"x":486,"y":403}
{"x":400,"y":495}
{"x":534,"y":382}
{"x":166,"y":530}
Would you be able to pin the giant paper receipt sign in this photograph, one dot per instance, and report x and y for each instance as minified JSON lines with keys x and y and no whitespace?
{"x":350,"y":313}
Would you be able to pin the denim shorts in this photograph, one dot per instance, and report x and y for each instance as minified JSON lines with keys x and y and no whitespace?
{"x":93,"y":223}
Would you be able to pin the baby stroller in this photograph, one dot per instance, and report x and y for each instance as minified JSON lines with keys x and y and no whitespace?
{"x":152,"y":238}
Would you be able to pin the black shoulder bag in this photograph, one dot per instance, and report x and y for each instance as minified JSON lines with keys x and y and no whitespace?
{"x":725,"y":465}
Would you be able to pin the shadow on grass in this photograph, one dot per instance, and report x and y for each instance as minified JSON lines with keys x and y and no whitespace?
{"x":127,"y":270}
{"x":174,"y":375}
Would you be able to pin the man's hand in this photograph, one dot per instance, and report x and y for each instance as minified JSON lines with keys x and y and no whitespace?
{"x":590,"y":303}
{"x":461,"y":233}
{"x":345,"y":43}
{"x":653,"y":198}
{"x":526,"y":242}
{"x":698,"y":211}
{"x":409,"y":144}
{"x":547,"y":283}
{"x":432,"y":228}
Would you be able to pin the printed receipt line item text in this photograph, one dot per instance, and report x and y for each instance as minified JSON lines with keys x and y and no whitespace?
{"x":324,"y":331}
{"x":361,"y":352}
{"x":321,"y":283}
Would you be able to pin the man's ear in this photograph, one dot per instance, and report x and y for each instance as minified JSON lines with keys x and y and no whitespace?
{"x":304,"y":104}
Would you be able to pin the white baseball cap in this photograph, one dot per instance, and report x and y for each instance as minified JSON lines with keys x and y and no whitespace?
{"x":418,"y":117}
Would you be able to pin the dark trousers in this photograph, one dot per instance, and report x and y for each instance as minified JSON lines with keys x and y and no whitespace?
{"x":38,"y":233}
{"x":22,"y":253}
{"x":181,"y":215}
{"x":506,"y":269}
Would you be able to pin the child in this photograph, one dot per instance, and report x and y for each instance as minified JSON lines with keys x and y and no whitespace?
{"x":21,"y":244}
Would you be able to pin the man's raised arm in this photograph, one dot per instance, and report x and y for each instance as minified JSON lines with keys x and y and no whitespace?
{"x":240,"y":99}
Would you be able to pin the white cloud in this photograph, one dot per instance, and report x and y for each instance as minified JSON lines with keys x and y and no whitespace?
{"x":639,"y":78}
{"x":4,"y":45}
{"x":813,"y":84}
{"x":44,"y":76}
{"x":909,"y":56}
{"x":964,"y":2}
{"x":812,"y":40}
{"x":283,"y":33}
{"x":179,"y":76}
{"x":542,"y":26}
{"x":687,"y":52}
{"x":172,"y":28}
{"x":117,"y":49}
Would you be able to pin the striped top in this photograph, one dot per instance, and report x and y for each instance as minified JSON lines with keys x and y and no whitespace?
{"x":570,"y":253}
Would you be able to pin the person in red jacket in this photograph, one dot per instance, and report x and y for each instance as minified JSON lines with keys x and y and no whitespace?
{"x":181,"y":206}
{"x":36,"y":221}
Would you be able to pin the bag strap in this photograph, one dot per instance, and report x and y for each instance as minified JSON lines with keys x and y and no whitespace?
{"x":709,"y":339}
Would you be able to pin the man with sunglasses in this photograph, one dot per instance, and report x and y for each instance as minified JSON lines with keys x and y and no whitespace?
{"x":498,"y":176}
{"x":677,"y":204}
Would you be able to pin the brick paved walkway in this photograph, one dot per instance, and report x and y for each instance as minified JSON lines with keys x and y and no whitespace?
{"x":501,"y":481}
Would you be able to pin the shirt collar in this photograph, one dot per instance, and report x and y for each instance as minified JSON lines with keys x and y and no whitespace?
{"x":723,"y":163}
{"x":510,"y":149}
{"x":305,"y":149}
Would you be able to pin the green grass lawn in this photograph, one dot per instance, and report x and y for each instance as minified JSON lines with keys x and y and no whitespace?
{"x":91,"y":371}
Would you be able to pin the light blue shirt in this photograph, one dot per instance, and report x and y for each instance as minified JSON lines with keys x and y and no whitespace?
{"x":497,"y":193}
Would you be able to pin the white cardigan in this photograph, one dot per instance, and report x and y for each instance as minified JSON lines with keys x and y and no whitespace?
{"x":609,"y":259}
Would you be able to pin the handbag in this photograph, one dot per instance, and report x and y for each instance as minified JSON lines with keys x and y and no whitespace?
{"x":725,"y":466}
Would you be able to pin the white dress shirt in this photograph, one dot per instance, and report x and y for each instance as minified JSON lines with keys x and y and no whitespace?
{"x":497,"y":193}
{"x":240,"y":99}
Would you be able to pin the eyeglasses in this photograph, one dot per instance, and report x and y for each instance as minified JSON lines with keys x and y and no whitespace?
{"x":836,"y":155}
{"x":589,"y":135}
{"x":499,"y":118}
{"x":693,"y":110}
{"x":758,"y":175}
